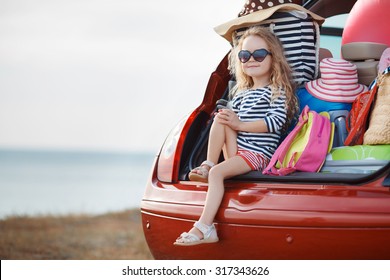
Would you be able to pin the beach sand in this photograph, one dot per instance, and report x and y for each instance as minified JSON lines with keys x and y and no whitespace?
{"x":112,"y":236}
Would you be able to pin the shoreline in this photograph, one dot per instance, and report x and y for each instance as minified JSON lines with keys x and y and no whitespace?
{"x":109,"y":236}
{"x":64,"y":215}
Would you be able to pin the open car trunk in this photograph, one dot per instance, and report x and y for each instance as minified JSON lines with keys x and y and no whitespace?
{"x":354,"y":172}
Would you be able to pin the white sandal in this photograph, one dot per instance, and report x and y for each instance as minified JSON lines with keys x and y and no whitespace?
{"x":204,"y":172}
{"x":189,"y":239}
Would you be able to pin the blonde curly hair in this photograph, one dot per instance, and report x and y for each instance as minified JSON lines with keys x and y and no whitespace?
{"x":281,"y":73}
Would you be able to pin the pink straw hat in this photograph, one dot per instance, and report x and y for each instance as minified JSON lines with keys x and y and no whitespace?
{"x":338,"y":82}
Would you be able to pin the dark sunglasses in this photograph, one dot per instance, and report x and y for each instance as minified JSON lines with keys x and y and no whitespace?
{"x":258,"y":55}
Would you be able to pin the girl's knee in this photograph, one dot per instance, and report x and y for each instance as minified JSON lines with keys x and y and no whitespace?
{"x":216,"y":173}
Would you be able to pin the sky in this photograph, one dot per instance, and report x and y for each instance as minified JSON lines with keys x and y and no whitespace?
{"x":110,"y":75}
{"x":105,"y":75}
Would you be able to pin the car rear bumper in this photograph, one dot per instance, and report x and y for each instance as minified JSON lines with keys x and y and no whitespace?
{"x":272,"y":221}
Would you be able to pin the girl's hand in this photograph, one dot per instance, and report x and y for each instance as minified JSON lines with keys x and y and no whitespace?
{"x":229,"y":118}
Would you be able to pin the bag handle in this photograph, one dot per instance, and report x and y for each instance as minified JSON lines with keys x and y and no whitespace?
{"x":290,"y":166}
{"x":356,"y":131}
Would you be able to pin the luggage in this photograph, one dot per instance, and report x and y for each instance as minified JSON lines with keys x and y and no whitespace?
{"x":305,"y":147}
{"x":357,"y":159}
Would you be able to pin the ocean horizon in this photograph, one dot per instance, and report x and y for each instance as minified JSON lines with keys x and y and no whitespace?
{"x":57,"y":182}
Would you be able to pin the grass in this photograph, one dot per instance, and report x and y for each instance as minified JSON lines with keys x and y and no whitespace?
{"x":113,"y":236}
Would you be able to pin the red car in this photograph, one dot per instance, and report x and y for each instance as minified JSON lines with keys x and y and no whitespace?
{"x":324,"y":215}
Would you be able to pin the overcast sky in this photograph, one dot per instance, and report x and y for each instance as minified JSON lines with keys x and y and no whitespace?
{"x":104,"y":74}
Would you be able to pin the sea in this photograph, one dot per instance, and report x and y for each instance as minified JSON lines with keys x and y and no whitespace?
{"x":50,"y":182}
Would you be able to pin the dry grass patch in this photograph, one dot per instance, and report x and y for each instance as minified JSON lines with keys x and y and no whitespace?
{"x":113,"y":236}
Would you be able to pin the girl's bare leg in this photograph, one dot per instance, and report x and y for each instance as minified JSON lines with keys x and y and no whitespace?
{"x":229,"y":168}
{"x":221,"y":138}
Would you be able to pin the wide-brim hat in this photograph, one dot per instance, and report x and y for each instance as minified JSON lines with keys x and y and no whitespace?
{"x":338,"y":82}
{"x":263,"y":12}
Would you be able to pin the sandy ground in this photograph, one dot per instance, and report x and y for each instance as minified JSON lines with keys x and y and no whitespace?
{"x":113,"y":236}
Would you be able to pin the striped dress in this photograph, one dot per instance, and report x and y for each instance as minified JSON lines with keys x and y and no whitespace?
{"x":254,"y":105}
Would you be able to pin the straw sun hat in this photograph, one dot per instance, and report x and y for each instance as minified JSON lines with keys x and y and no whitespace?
{"x":256,"y":5}
{"x":257,"y":11}
{"x":338,"y":82}
{"x":378,"y":131}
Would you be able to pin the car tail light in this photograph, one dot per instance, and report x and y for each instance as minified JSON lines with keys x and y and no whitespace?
{"x":169,"y":158}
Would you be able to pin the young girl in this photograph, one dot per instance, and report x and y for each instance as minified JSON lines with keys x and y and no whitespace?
{"x":263,"y":105}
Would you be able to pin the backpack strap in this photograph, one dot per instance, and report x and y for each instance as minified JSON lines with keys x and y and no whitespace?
{"x":282,"y":150}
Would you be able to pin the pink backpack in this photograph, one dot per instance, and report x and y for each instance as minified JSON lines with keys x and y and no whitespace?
{"x":305,"y":147}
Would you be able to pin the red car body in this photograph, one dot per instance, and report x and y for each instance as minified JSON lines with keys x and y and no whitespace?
{"x":299,"y":216}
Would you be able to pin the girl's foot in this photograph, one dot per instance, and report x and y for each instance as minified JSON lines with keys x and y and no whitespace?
{"x":201,"y":173}
{"x":209,"y":235}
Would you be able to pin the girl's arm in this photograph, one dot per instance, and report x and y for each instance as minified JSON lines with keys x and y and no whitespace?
{"x":228,"y":117}
{"x":253,"y":127}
